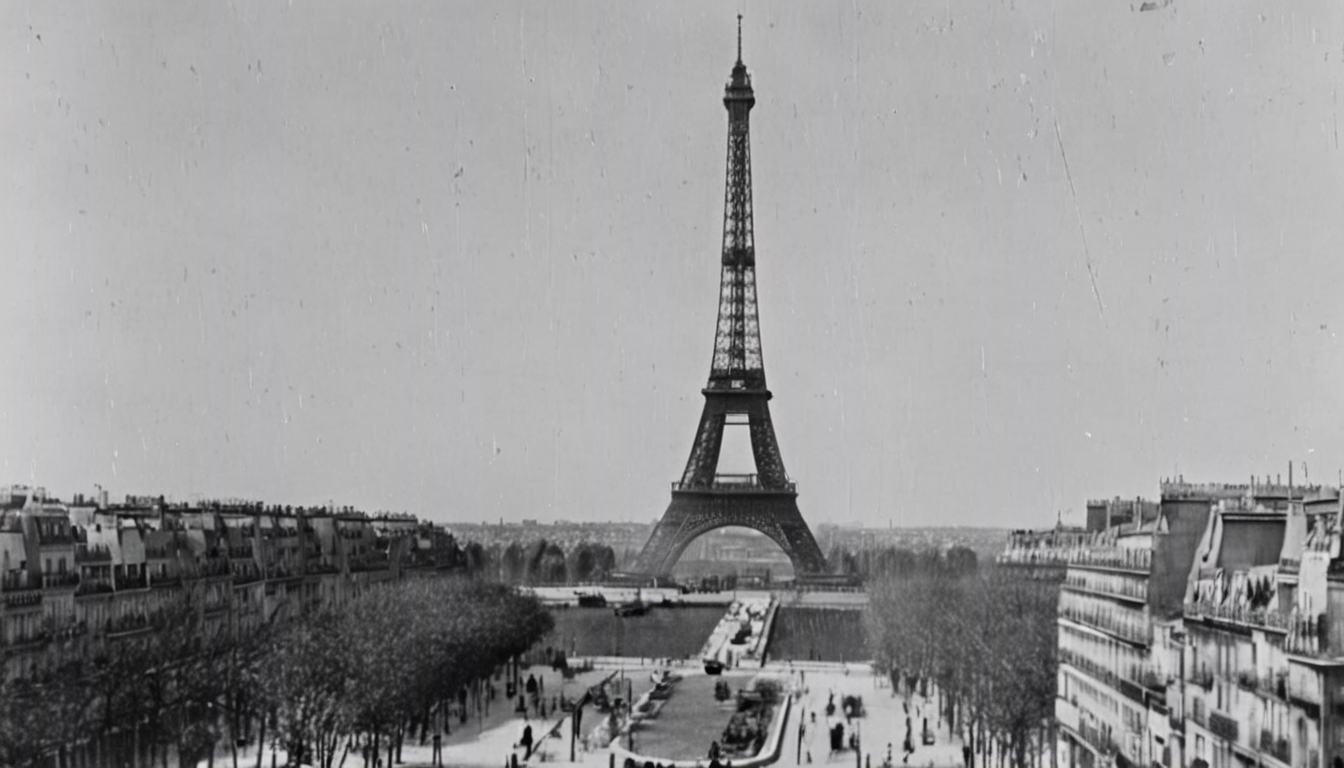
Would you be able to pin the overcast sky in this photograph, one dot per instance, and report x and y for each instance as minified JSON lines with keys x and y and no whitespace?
{"x":461,"y":259}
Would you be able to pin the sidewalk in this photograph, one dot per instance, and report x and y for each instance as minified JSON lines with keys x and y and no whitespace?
{"x":883,"y":723}
{"x":481,"y":742}
{"x":488,"y":743}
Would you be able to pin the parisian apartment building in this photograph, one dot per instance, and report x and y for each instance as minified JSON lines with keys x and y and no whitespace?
{"x":77,"y":576}
{"x":1203,"y":630}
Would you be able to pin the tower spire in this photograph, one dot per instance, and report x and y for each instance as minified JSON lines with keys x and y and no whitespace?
{"x":739,"y":38}
{"x":737,"y":339}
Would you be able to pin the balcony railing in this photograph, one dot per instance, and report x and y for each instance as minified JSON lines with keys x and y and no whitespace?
{"x":1036,"y":556}
{"x":1114,"y":557}
{"x":744,"y":483}
{"x":1240,"y":614}
{"x":1280,"y":748}
{"x":212,"y":567}
{"x":1106,"y":622}
{"x":131,"y":582}
{"x":246,"y":575}
{"x":25,"y":598}
{"x":165,"y":580}
{"x":1307,"y":636}
{"x":1097,"y":739}
{"x":1138,"y":678}
{"x":1124,"y":591}
{"x":1271,"y":685}
{"x":57,"y":580}
{"x":281,"y":572}
{"x":94,"y":554}
{"x":93,"y":587}
{"x":1223,"y":726}
{"x":20,"y":580}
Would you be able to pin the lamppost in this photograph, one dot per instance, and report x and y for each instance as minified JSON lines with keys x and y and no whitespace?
{"x":630,"y":719}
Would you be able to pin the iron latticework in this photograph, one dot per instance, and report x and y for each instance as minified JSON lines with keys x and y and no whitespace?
{"x":736,"y":394}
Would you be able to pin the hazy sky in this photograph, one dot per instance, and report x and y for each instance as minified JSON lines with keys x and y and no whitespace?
{"x":461,"y":259}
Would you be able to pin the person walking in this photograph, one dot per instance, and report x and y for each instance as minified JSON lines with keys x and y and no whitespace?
{"x":526,"y":741}
{"x":811,"y":734}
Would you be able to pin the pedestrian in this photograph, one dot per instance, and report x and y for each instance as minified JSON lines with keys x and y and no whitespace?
{"x":438,"y":749}
{"x":526,"y":741}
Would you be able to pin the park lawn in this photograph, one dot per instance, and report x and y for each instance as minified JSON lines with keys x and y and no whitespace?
{"x":690,"y":719}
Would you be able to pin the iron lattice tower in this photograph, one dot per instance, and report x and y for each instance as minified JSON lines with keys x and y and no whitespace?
{"x":705,"y":499}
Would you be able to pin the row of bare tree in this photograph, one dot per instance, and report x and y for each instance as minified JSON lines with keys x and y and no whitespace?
{"x":360,"y":676}
{"x":543,"y":562}
{"x":988,"y":644}
{"x":869,"y":563}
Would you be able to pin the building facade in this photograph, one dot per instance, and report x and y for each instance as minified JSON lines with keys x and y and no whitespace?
{"x":1209,"y":634}
{"x":78,"y":577}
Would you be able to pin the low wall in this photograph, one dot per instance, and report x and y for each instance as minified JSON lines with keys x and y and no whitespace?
{"x":631,"y":662}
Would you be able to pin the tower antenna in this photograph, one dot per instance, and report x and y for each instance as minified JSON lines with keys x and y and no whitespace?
{"x":739,"y":38}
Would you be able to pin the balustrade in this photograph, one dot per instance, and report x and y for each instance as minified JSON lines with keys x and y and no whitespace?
{"x":1140,"y":676}
{"x":1279,"y":747}
{"x":1240,"y":614}
{"x":24,"y":598}
{"x":93,"y":587}
{"x":729,"y":482}
{"x":1114,"y":585}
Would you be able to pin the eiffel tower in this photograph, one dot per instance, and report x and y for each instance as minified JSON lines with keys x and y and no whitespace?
{"x":705,"y":499}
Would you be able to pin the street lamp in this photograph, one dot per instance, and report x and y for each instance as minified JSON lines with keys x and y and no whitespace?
{"x":630,"y":719}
